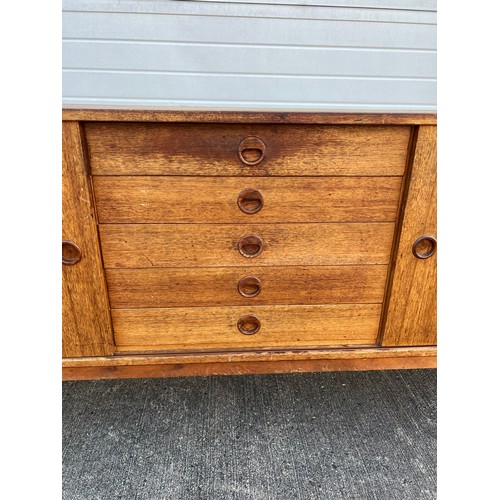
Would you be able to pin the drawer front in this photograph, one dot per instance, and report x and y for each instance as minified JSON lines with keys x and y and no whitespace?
{"x":211,"y":245}
{"x":139,"y":330}
{"x":142,"y":199}
{"x":246,"y":150}
{"x":184,"y":287}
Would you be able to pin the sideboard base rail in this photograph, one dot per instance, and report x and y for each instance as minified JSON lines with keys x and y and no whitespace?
{"x":180,"y":365}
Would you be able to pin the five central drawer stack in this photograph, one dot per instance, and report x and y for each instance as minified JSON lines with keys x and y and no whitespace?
{"x":228,"y":237}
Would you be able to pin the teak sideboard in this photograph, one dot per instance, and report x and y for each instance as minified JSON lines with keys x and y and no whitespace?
{"x":199,"y":243}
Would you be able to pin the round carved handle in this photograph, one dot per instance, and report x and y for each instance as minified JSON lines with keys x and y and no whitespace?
{"x":71,"y":253}
{"x":250,"y":201}
{"x":250,"y":245}
{"x":249,"y":324}
{"x":424,"y":247}
{"x":251,"y":151}
{"x":249,"y":286}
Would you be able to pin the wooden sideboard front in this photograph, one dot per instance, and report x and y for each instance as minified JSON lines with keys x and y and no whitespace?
{"x":199,"y":243}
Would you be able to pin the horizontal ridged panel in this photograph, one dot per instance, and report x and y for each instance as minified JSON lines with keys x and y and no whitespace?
{"x":390,"y":13}
{"x":218,"y":29}
{"x":380,"y":4}
{"x":225,"y":89}
{"x":249,"y":56}
{"x":171,"y":57}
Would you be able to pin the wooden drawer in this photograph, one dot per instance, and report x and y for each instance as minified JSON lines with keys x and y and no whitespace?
{"x":139,"y":330}
{"x":155,"y":199}
{"x":218,"y":150}
{"x":184,"y":287}
{"x":212,"y":245}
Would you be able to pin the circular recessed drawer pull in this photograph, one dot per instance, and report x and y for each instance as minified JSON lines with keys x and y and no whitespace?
{"x":250,"y":201}
{"x":424,"y":247}
{"x":71,"y":253}
{"x":251,"y":151}
{"x":249,"y":324}
{"x":250,"y":245}
{"x":249,"y":286}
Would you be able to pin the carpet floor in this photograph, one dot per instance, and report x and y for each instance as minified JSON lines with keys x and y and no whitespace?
{"x":350,"y":435}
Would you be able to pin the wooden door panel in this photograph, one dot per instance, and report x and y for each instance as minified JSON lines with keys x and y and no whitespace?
{"x":86,"y":318}
{"x":411,"y":317}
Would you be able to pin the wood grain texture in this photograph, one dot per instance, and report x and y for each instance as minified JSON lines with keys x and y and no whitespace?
{"x":154,"y":199}
{"x":246,"y":368}
{"x":160,"y":114}
{"x":212,"y":150}
{"x":411,"y":317}
{"x":86,"y":318}
{"x":211,"y":245}
{"x":249,"y":362}
{"x":252,"y":355}
{"x":163,"y":114}
{"x":138,"y":330}
{"x":182,"y":287}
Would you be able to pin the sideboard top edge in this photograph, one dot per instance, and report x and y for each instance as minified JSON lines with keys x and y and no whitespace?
{"x":271,"y":117}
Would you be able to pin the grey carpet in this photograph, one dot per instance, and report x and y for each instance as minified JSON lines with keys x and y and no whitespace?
{"x":350,"y":435}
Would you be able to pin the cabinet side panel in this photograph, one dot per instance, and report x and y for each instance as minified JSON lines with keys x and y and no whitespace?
{"x":86,"y":317}
{"x":411,"y":317}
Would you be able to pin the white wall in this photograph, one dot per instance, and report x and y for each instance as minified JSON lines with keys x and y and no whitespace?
{"x":361,"y":55}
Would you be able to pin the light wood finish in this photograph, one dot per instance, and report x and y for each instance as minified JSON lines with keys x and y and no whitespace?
{"x":86,"y":319}
{"x":121,"y":199}
{"x":178,"y":287}
{"x":253,"y":355}
{"x":192,"y":245}
{"x":249,"y":362}
{"x":246,"y":368}
{"x":412,"y":305}
{"x":197,"y":149}
{"x":216,"y":327}
{"x":208,"y":116}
